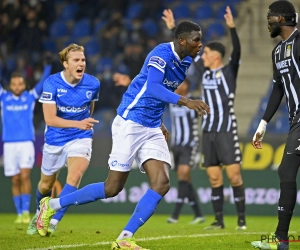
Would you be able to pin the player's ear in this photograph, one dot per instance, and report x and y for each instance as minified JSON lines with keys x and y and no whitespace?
{"x":65,"y":64}
{"x":182,"y":41}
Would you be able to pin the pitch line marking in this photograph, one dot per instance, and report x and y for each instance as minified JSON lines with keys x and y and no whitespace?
{"x":166,"y":237}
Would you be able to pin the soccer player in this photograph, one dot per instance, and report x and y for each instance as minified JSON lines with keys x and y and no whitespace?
{"x":282,"y":19}
{"x":220,"y":137}
{"x":185,"y":149}
{"x":68,"y":102}
{"x":17,"y":106}
{"x":138,"y":133}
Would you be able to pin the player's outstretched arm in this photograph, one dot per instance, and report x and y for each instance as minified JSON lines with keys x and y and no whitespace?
{"x":169,"y":19}
{"x":53,"y":120}
{"x":39,"y":86}
{"x":198,"y":105}
{"x":259,"y":135}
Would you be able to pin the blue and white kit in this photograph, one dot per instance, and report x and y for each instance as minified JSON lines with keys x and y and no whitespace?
{"x":136,"y":130}
{"x":73,"y":102}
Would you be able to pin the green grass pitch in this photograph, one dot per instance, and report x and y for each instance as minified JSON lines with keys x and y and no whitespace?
{"x":97,"y":231}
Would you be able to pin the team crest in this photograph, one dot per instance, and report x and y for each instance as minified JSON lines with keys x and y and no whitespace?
{"x":218,"y":74}
{"x":288,"y":51}
{"x":89,"y":94}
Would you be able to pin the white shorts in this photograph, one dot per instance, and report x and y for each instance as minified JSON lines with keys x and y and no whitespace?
{"x":55,"y":157}
{"x":17,"y":155}
{"x":134,"y":141}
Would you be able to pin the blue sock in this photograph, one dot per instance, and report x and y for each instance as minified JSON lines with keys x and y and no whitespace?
{"x":66,"y":190}
{"x":25,"y":202}
{"x":40,"y":196}
{"x":87,"y":194}
{"x":18,"y":203}
{"x":143,"y":210}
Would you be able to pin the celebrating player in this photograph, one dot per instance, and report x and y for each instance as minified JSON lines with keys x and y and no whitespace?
{"x":68,"y":102}
{"x":138,"y":133}
{"x":282,"y":19}
{"x":18,"y":137}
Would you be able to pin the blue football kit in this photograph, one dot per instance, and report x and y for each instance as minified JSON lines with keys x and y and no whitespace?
{"x":144,"y":101}
{"x":73,"y":102}
{"x":17,"y":112}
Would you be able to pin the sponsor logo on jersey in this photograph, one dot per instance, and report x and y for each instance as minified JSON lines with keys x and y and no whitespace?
{"x":16,"y":107}
{"x":89,"y":94}
{"x":288,"y":51}
{"x":46,"y":96}
{"x":156,"y":60}
{"x":172,"y":84}
{"x":70,"y":109}
{"x":62,"y":91}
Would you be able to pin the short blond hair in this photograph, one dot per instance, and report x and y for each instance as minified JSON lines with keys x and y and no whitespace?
{"x":63,"y":55}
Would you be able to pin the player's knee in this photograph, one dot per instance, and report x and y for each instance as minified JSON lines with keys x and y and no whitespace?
{"x":45,"y":187}
{"x":112,"y":190}
{"x":215,"y":180}
{"x":162,"y":187}
{"x":236,"y":180}
{"x":16,"y":180}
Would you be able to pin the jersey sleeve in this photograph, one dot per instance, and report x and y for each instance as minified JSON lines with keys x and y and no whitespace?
{"x":49,"y":92}
{"x":236,"y":52}
{"x":2,"y":91}
{"x":158,"y":59}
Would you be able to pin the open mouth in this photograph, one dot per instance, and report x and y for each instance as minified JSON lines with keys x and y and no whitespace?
{"x":79,"y":71}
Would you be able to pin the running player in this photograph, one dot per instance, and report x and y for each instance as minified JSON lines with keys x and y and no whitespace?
{"x":138,"y":133}
{"x":68,"y":102}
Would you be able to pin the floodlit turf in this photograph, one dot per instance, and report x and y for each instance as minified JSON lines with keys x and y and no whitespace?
{"x":86,"y":231}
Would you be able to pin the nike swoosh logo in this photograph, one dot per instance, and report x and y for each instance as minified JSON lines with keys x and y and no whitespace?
{"x":142,"y":220}
{"x":288,"y":153}
{"x":59,"y":95}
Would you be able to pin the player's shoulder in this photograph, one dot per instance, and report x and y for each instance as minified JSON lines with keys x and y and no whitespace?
{"x":54,"y":78}
{"x":163,"y":50}
{"x":90,"y":79}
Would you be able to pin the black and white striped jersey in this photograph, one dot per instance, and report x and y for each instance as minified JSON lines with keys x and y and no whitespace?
{"x":218,"y":90}
{"x":286,"y":76}
{"x":184,"y":125}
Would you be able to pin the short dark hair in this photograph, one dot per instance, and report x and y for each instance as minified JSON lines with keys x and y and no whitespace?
{"x":217,"y":46}
{"x":16,"y":74}
{"x":283,"y":8}
{"x":186,"y":27}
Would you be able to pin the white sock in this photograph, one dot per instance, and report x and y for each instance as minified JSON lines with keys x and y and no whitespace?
{"x":54,"y":222}
{"x":125,"y":234}
{"x":55,"y":204}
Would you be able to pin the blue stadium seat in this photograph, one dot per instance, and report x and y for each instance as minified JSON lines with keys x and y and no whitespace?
{"x":204,"y":12}
{"x":49,"y":45}
{"x":92,"y":47}
{"x":133,"y":10}
{"x":71,"y":40}
{"x":150,"y":27}
{"x":215,"y":31}
{"x":68,"y":12}
{"x":10,"y":63}
{"x":58,"y":29}
{"x":181,"y":11}
{"x":81,"y":28}
{"x":98,"y":26}
{"x":103,"y":64}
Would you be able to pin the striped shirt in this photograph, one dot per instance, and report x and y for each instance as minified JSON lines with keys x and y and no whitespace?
{"x":218,"y":90}
{"x":184,"y":125}
{"x":286,"y":77}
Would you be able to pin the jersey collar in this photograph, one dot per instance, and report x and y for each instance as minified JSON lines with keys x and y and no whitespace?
{"x":70,"y":84}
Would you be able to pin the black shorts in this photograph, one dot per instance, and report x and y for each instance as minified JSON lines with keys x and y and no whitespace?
{"x":220,"y":148}
{"x":186,"y":155}
{"x":293,"y":141}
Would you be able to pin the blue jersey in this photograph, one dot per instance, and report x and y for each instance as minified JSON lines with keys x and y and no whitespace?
{"x":137,"y":105}
{"x":17,"y":112}
{"x":73,"y":102}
